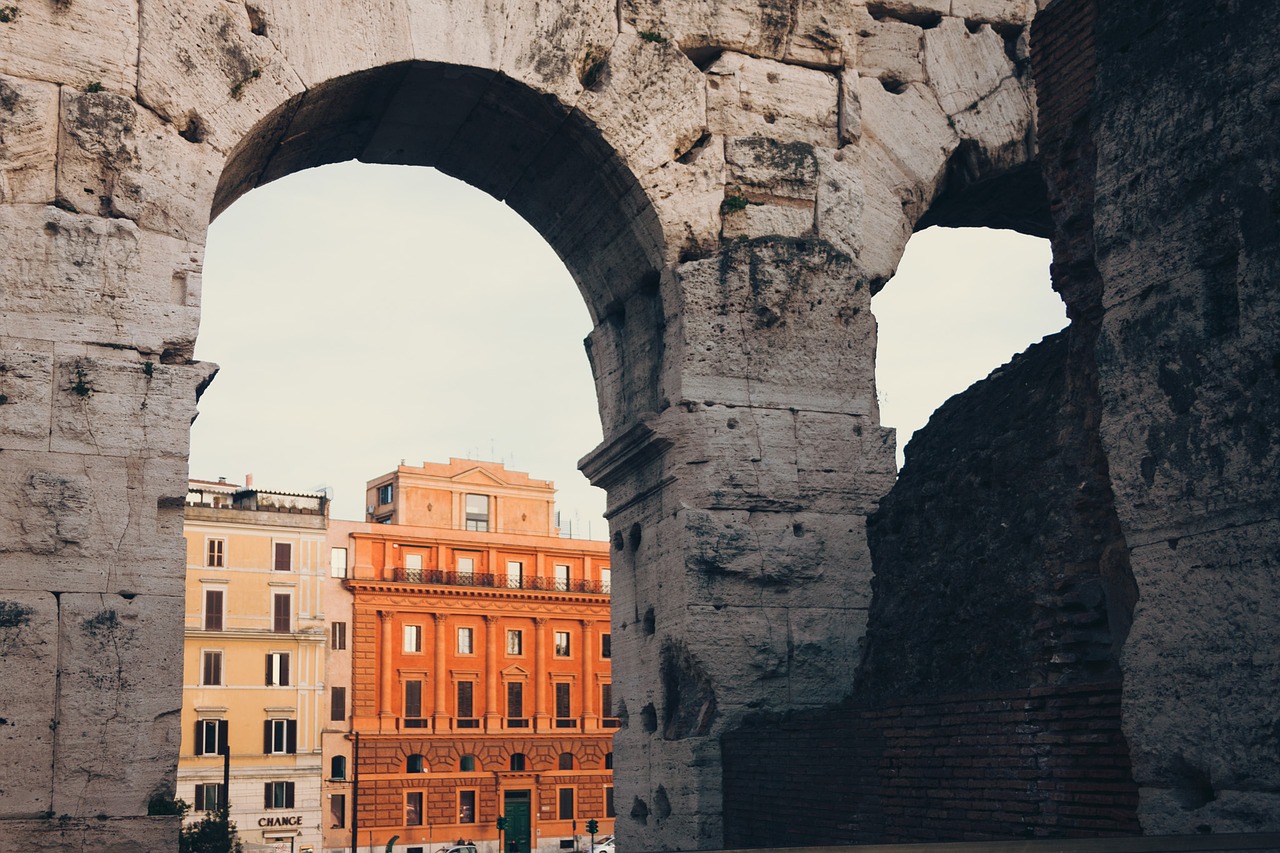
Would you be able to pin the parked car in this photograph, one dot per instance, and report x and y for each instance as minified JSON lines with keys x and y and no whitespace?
{"x":604,"y":844}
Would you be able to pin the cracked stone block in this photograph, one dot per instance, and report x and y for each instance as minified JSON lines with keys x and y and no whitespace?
{"x":963,"y":67}
{"x":26,"y":374}
{"x":28,"y":657}
{"x":762,"y":219}
{"x":74,"y":278}
{"x":911,"y":128}
{"x":119,"y":702}
{"x":87,"y":523}
{"x":889,"y":50}
{"x":760,"y":97}
{"x":1009,"y":13}
{"x":546,"y":46}
{"x":76,"y":44}
{"x":28,"y":140}
{"x":765,"y":167}
{"x":116,"y":159}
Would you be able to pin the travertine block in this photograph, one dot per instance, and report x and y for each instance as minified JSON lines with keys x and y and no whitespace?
{"x":459,"y":33}
{"x":203,"y":68}
{"x":321,"y":41}
{"x":1001,"y":124}
{"x":1007,"y":12}
{"x":864,"y":207}
{"x":759,"y":97}
{"x":550,"y":46}
{"x":776,"y":323}
{"x":28,"y":140}
{"x":687,"y":194}
{"x":911,"y":128}
{"x":889,"y":50}
{"x":112,"y":835}
{"x":763,"y":166}
{"x":762,"y":219}
{"x":650,"y":103}
{"x":28,"y":657}
{"x":26,"y":391}
{"x":91,"y":524}
{"x":120,"y":692}
{"x":963,"y":67}
{"x":74,"y":278}
{"x":116,"y":159}
{"x":78,"y":44}
{"x":123,"y":407}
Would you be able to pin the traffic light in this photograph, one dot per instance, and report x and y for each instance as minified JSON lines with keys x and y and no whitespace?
{"x":502,"y":823}
{"x":593,"y":826}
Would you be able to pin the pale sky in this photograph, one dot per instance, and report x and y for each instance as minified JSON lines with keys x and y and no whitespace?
{"x":363,"y":315}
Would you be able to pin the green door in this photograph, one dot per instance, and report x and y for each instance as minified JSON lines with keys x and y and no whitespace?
{"x":515,"y":805}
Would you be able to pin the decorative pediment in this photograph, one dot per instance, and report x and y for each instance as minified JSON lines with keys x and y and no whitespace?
{"x":515,"y":671}
{"x":478,"y":476}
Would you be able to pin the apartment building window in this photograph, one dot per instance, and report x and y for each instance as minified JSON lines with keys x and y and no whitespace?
{"x":413,"y":567}
{"x":386,"y":493}
{"x":337,"y":562}
{"x":518,"y":762}
{"x":413,"y":638}
{"x":338,"y":767}
{"x":277,"y":669}
{"x":477,"y":512}
{"x":280,"y":737}
{"x":278,"y":795}
{"x":211,"y":737}
{"x":467,"y":764}
{"x":413,"y":808}
{"x":338,"y":636}
{"x":466,"y":716}
{"x":608,"y":761}
{"x":215,"y":553}
{"x":413,"y":705}
{"x":562,"y":644}
{"x":282,"y":613}
{"x":606,"y":646}
{"x":466,"y":641}
{"x":564,"y":718}
{"x":211,"y":669}
{"x":515,"y":574}
{"x":338,"y":811}
{"x":466,"y":570}
{"x":562,"y":577}
{"x":566,"y":761}
{"x":213,"y":609}
{"x":283,"y":557}
{"x":337,"y":704}
{"x":564,"y":804}
{"x":606,"y":706}
{"x":608,"y":801}
{"x":466,"y":806}
{"x":606,"y":580}
{"x":209,"y":797}
{"x":515,"y":642}
{"x":515,"y":706}
{"x":415,"y":763}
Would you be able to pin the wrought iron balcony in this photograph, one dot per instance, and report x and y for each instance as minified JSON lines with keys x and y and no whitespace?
{"x":443,"y":578}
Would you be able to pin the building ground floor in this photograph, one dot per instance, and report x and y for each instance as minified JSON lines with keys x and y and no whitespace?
{"x":431,"y":791}
{"x":274,"y":806}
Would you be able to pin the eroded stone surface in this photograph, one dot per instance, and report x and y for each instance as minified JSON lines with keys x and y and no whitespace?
{"x":28,"y":656}
{"x":28,"y":140}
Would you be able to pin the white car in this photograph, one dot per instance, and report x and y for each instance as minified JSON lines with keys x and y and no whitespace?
{"x":603,"y":845}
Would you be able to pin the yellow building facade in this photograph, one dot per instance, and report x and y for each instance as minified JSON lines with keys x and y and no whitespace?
{"x":254,"y":662}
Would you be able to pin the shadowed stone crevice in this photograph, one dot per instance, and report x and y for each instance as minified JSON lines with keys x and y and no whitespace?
{"x":688,"y":698}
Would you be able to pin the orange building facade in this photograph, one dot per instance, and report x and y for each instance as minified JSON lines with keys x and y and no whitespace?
{"x":480,"y":665}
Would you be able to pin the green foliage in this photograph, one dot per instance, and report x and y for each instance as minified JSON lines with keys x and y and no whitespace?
{"x":733,"y":203}
{"x":8,"y":14}
{"x":651,"y":36}
{"x":213,"y":833}
{"x":162,"y":803}
{"x":93,"y":87}
{"x":592,"y":70}
{"x":238,"y":89}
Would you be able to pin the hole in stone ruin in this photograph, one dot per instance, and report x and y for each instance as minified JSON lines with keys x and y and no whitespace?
{"x":974,"y":26}
{"x":1190,"y":784}
{"x":703,"y":57}
{"x":640,"y":811}
{"x":649,"y":718}
{"x":923,"y":18}
{"x":963,"y":302}
{"x":893,"y":85}
{"x":650,"y":622}
{"x":257,"y":21}
{"x":661,"y":803}
{"x":633,"y":537}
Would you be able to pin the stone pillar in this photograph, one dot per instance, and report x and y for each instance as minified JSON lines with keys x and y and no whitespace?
{"x":541,"y":719}
{"x":386,"y":672}
{"x":492,"y":701}
{"x":440,"y":716}
{"x":590,"y":719}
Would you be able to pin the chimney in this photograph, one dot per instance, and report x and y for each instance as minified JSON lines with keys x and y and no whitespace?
{"x":248,"y":481}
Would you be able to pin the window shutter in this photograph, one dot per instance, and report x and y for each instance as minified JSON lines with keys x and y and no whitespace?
{"x":288,"y":794}
{"x":224,"y":745}
{"x":199,"y":737}
{"x":266,"y":796}
{"x":284,"y":555}
{"x":268,"y":681}
{"x":292,"y":748}
{"x":266,"y":737}
{"x":284,"y":669}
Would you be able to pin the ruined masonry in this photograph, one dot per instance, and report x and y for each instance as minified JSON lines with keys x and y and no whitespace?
{"x":729,"y":183}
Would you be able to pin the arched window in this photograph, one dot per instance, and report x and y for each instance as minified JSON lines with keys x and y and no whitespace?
{"x":566,"y":761}
{"x":518,"y":762}
{"x":338,"y":767}
{"x":608,"y":761}
{"x":467,"y":764}
{"x":415,"y":764}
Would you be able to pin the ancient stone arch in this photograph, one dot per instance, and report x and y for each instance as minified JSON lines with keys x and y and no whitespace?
{"x":728,"y":183}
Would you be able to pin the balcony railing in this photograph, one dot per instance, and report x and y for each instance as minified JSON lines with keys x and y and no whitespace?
{"x":440,"y":577}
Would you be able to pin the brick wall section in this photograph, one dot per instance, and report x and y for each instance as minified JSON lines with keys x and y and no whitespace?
{"x":1046,"y":762}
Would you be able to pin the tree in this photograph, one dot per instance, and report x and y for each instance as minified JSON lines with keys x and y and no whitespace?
{"x":214,"y":833}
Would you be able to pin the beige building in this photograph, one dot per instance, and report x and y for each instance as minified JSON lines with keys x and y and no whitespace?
{"x":254,"y":660}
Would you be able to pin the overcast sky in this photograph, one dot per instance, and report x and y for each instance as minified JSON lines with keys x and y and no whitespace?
{"x":363,"y":315}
